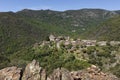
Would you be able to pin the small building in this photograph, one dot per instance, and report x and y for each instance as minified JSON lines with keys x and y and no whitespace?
{"x":52,"y":37}
{"x":114,"y":43}
{"x":89,"y":42}
{"x":102,"y":43}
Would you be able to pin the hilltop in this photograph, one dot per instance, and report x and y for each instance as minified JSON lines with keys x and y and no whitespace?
{"x":72,"y":54}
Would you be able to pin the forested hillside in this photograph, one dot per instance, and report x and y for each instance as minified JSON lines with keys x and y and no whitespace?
{"x":21,"y":30}
{"x":108,"y":30}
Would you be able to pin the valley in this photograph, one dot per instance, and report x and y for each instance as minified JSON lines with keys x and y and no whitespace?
{"x":72,"y":39}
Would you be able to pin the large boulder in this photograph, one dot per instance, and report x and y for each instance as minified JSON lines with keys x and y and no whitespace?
{"x":66,"y":74}
{"x":43,"y":74}
{"x":56,"y":75}
{"x":10,"y":73}
{"x":61,"y":74}
{"x":32,"y":71}
{"x":92,"y":73}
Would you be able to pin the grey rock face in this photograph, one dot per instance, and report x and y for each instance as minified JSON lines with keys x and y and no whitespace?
{"x":92,"y":73}
{"x":61,"y":74}
{"x":32,"y":71}
{"x":43,"y":75}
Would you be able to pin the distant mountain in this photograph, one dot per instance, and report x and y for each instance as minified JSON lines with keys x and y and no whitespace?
{"x":77,"y":23}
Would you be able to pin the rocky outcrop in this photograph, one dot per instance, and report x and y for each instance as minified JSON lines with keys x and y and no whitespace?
{"x":66,"y":74}
{"x":43,"y":75}
{"x":10,"y":73}
{"x":61,"y":74}
{"x":92,"y":73}
{"x":34,"y":72}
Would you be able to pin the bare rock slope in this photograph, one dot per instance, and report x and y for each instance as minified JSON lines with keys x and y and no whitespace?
{"x":34,"y":72}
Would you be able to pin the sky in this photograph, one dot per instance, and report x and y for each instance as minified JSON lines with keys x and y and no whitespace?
{"x":58,"y":5}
